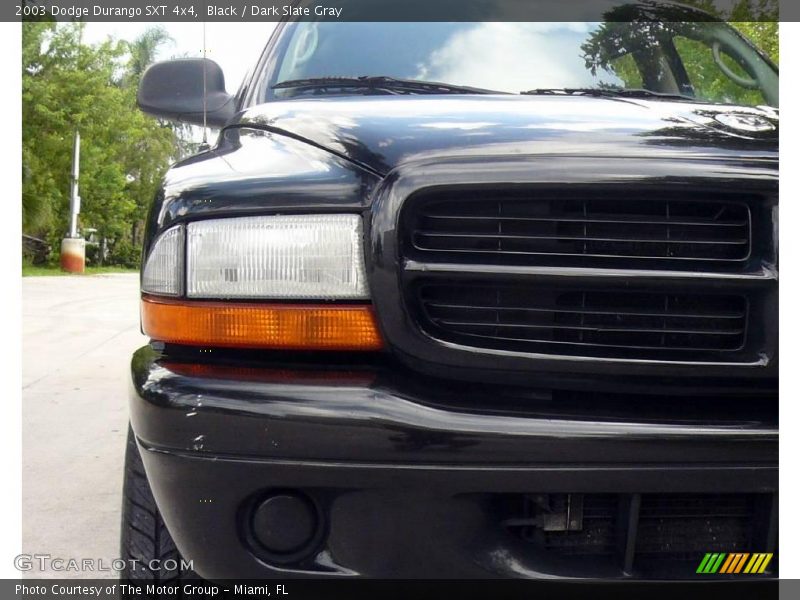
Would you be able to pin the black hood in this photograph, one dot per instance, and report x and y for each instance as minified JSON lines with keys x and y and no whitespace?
{"x":382,"y":133}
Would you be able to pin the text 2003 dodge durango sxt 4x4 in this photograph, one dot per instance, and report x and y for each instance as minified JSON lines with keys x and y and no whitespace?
{"x":463,"y":300}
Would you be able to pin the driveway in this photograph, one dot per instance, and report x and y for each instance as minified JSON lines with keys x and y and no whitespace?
{"x":77,"y":337}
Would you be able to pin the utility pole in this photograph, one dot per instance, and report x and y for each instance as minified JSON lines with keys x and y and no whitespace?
{"x":73,"y":247}
{"x":74,"y":198}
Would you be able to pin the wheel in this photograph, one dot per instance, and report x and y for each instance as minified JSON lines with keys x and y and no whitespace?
{"x":146,"y":546}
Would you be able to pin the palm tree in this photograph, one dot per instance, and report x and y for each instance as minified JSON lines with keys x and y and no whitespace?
{"x":143,"y":51}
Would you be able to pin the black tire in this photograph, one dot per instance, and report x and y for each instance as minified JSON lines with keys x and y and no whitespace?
{"x":144,"y":538}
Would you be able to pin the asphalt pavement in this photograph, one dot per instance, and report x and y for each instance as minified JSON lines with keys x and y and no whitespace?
{"x":78,"y":334}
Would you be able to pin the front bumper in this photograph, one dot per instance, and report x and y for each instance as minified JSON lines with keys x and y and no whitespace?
{"x":408,"y":472}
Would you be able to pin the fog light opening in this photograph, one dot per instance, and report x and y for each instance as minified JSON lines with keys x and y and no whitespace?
{"x":285,"y":526}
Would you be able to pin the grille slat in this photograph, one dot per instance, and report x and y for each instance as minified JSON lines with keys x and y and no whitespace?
{"x":605,"y":323}
{"x":522,"y":254}
{"x":597,"y":329}
{"x":587,"y":311}
{"x":619,"y":220}
{"x":592,"y":231}
{"x":633,"y":240}
{"x":590,"y":345}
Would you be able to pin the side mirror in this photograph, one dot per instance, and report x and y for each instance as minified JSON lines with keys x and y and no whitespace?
{"x":173,"y":90}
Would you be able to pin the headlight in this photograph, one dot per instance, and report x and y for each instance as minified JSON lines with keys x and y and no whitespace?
{"x":303,"y":258}
{"x":163,"y":270}
{"x":283,"y":257}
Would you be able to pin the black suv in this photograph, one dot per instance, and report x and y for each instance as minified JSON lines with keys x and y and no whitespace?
{"x":463,"y":300}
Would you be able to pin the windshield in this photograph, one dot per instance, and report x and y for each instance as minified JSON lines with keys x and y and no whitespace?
{"x":708,"y":61}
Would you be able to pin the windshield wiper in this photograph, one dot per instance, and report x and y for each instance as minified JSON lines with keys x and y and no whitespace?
{"x":606,"y":92}
{"x":391,"y":85}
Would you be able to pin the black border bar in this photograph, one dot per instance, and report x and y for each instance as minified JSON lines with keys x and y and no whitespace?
{"x":358,"y":589}
{"x":390,"y":10}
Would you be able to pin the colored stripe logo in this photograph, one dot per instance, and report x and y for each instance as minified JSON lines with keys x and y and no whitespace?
{"x":733,"y":563}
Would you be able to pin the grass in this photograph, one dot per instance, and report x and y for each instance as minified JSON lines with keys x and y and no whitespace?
{"x":39,"y":271}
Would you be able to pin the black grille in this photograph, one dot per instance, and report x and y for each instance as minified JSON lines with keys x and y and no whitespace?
{"x":684,"y":525}
{"x":596,"y":323}
{"x":632,"y":230}
{"x":642,"y":530}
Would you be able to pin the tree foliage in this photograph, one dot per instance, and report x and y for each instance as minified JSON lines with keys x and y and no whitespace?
{"x":631,"y":46}
{"x":67,"y":86}
{"x":757,"y":20}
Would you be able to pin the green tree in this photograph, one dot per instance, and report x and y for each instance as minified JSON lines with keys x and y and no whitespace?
{"x":755,"y":19}
{"x":628,"y":45}
{"x":69,"y":86}
{"x":143,"y":51}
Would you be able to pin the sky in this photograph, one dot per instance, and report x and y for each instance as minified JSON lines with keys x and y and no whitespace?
{"x":235,"y":46}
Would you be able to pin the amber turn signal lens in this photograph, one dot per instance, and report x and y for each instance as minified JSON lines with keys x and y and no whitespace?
{"x":251,"y":325}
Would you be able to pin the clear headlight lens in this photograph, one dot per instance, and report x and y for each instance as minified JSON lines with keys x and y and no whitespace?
{"x":298,"y":257}
{"x":282,"y":257}
{"x":163,"y":269}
